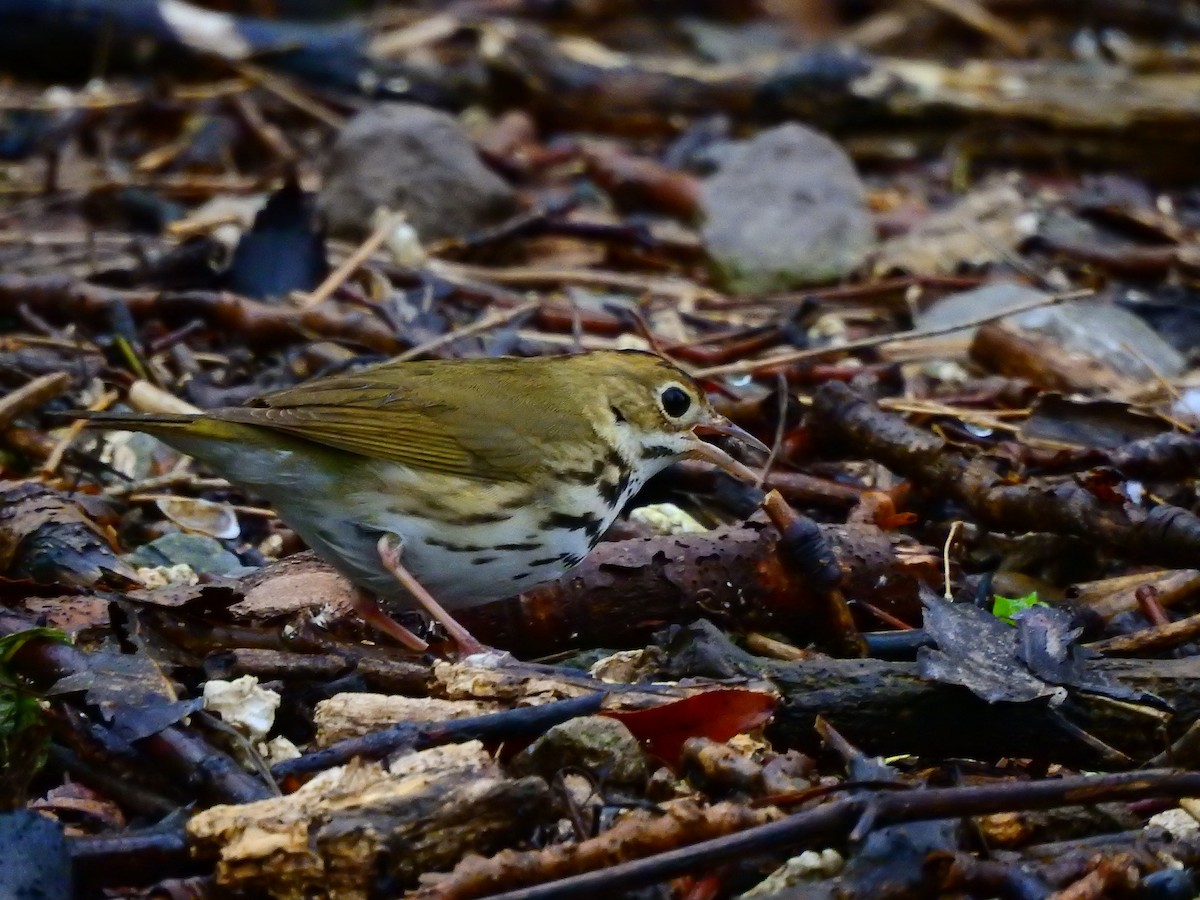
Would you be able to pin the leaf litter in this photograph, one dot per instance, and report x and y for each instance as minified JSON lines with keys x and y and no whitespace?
{"x":970,"y":345}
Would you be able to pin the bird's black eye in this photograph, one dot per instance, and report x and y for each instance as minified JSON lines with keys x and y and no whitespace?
{"x":675,"y":401}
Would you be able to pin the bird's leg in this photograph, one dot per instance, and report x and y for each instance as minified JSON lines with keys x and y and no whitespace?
{"x":389,"y":554}
{"x":369,"y":611}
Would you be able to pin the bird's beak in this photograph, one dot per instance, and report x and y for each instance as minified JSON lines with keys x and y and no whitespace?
{"x":711,"y":453}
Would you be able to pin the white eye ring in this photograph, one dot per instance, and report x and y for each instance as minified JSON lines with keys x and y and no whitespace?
{"x":675,"y":401}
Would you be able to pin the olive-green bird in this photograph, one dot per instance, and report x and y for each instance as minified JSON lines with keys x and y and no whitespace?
{"x":466,"y":480}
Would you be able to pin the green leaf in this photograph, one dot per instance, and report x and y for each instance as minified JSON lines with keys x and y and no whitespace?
{"x":1006,"y":608}
{"x":11,"y":643}
{"x":23,"y":739}
{"x":18,"y":711}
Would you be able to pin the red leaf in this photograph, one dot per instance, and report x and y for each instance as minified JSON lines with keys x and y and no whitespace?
{"x":717,"y":715}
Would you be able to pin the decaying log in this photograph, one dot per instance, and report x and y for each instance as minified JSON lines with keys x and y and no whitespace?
{"x":46,"y":537}
{"x":1067,"y":109}
{"x":345,"y":716}
{"x":887,"y":708}
{"x":336,"y":833}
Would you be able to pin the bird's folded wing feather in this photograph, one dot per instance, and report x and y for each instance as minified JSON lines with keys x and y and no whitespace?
{"x":422,"y":425}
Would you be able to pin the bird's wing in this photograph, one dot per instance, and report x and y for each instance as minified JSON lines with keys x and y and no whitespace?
{"x":474,"y":426}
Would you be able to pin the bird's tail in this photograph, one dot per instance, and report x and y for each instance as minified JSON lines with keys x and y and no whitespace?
{"x":171,"y":427}
{"x":254,"y":457}
{"x":131,"y":420}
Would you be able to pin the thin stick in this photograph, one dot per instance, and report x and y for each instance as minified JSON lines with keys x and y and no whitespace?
{"x":52,"y":462}
{"x":954,"y":527}
{"x":1162,"y":379}
{"x":393,"y":44}
{"x":1181,"y":752}
{"x":387,"y":224}
{"x":535,"y":275}
{"x":259,"y":511}
{"x":283,"y":89}
{"x":976,"y":15}
{"x":781,"y":386}
{"x":172,"y":479}
{"x":32,"y":395}
{"x":483,"y":323}
{"x":914,"y":334}
{"x":1158,"y":637}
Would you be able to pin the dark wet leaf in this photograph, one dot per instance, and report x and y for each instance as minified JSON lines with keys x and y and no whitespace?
{"x":1046,"y":642}
{"x":130,"y":691}
{"x":978,"y":651}
{"x":995,"y":661}
{"x":283,"y":252}
{"x":77,"y":801}
{"x":1105,"y":424}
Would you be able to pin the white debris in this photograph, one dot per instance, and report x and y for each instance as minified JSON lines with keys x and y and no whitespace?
{"x":666,"y":519}
{"x":243,"y":704}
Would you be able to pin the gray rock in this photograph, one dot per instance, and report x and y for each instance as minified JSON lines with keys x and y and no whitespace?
{"x":594,"y":743}
{"x":785,"y":209}
{"x":409,"y":157}
{"x":35,"y":862}
{"x":203,"y":554}
{"x":1094,"y":327}
{"x":1109,"y":334}
{"x":986,"y":300}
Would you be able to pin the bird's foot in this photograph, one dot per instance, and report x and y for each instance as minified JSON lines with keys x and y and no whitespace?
{"x":390,"y":550}
{"x":369,"y":611}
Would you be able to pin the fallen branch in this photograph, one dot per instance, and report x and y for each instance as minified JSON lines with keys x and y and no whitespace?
{"x":513,"y":872}
{"x":888,"y":708}
{"x":1165,"y":535}
{"x":625,"y":590}
{"x":259,"y":324}
{"x":511,"y":724}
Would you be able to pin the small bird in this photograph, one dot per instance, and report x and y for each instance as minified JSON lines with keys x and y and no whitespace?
{"x":460,"y":481}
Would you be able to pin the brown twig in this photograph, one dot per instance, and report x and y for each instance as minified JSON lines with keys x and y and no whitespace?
{"x":1149,"y":640}
{"x":879,"y":340}
{"x":982,"y":19}
{"x":387,"y":224}
{"x":281,"y":87}
{"x":510,"y":724}
{"x":50,"y":465}
{"x":32,"y":395}
{"x":258,"y":324}
{"x":480,"y":325}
